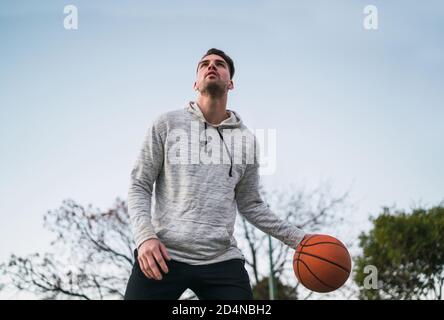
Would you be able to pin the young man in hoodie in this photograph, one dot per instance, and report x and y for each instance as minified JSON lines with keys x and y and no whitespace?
{"x":187,"y":240}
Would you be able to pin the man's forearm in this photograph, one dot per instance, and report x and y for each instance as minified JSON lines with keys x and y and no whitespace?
{"x":260,"y":215}
{"x":139,"y":211}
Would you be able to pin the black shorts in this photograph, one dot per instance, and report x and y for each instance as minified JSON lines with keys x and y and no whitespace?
{"x":222,"y":280}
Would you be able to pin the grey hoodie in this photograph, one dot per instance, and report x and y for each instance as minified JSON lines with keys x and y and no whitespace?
{"x":195,"y":203}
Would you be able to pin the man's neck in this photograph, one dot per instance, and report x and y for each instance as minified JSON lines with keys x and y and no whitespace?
{"x":213,"y":109}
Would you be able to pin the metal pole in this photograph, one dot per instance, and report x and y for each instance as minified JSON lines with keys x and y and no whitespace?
{"x":271,"y":277}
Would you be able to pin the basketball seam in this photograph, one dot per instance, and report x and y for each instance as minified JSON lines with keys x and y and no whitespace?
{"x":325,"y":242}
{"x":306,"y":240}
{"x":297,"y":265}
{"x":323,"y":259}
{"x":331,"y":287}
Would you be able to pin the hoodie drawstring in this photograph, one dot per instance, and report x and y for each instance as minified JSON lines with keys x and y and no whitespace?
{"x":230,"y":173}
{"x":206,"y":139}
{"x":226,"y":147}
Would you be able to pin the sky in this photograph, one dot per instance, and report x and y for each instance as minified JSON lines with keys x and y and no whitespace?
{"x":361,"y":109}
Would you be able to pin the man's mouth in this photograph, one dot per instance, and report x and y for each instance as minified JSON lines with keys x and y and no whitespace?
{"x":211,"y":74}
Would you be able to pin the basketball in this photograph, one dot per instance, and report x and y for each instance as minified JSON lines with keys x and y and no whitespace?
{"x":322,"y":263}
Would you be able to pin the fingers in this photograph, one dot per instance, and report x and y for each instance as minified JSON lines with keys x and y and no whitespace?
{"x":150,"y":274}
{"x":160,"y":261}
{"x":144,"y":267}
{"x":164,"y":252}
{"x":154,"y":269}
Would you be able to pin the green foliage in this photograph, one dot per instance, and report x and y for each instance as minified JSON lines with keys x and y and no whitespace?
{"x":408,"y":252}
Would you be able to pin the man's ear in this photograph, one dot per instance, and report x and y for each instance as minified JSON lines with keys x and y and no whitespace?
{"x":195,"y":85}
{"x":231,"y":85}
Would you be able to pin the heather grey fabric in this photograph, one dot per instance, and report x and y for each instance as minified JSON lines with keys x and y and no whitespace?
{"x":195,"y":204}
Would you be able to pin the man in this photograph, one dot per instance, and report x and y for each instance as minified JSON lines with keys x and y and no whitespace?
{"x":187,"y":241}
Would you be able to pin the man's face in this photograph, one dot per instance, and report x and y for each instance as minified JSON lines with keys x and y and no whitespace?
{"x":213,"y":76}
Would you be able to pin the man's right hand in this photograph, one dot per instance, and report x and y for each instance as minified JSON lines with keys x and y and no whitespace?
{"x":151,"y":254}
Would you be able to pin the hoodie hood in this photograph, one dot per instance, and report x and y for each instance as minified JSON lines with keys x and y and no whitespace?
{"x":234,"y":121}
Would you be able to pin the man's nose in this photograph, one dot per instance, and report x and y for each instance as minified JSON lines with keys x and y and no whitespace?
{"x":212,"y":66}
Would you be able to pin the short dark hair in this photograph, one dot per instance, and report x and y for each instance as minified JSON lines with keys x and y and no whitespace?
{"x":224,"y":56}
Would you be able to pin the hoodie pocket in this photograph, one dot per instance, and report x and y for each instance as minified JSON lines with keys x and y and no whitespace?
{"x":195,"y":239}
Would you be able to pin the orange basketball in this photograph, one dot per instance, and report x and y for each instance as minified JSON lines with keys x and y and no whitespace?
{"x":322,"y":263}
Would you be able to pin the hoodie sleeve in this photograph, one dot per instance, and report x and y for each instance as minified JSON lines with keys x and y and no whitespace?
{"x":256,"y":211}
{"x":143,"y":176}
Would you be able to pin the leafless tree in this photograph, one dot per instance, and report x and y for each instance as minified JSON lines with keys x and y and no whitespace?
{"x":91,"y":259}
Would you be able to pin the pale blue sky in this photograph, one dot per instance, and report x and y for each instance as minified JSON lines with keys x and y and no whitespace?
{"x":362,"y":109}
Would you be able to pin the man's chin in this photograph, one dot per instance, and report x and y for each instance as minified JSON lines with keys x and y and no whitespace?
{"x":213,"y":88}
